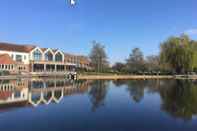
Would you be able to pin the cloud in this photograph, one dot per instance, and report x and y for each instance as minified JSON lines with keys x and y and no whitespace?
{"x":191,"y":32}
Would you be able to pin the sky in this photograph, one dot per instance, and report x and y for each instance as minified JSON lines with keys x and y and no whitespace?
{"x":120,"y":25}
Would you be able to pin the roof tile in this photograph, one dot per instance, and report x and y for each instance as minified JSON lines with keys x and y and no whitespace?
{"x":14,"y":47}
{"x":6,"y":59}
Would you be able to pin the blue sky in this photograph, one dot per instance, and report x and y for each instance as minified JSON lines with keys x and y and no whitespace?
{"x":119,"y":24}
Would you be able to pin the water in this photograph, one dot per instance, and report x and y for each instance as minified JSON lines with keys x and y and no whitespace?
{"x":130,"y":105}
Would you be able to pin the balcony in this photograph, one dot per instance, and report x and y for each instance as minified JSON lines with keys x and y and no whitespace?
{"x":48,"y":62}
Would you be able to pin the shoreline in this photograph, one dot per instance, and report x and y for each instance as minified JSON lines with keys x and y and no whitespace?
{"x":105,"y":77}
{"x":123,"y":77}
{"x":135,"y":77}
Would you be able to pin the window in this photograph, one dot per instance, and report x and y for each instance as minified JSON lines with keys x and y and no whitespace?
{"x":58,"y":57}
{"x":24,"y":57}
{"x":37,"y":55}
{"x":49,"y":56}
{"x":19,"y":58}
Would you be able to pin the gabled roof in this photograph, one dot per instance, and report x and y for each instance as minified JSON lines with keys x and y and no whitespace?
{"x":6,"y":59}
{"x":43,"y":49}
{"x":53,"y":50}
{"x":18,"y":48}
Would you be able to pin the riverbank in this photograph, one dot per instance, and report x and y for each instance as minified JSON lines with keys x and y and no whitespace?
{"x":114,"y":77}
{"x":135,"y":77}
{"x":105,"y":77}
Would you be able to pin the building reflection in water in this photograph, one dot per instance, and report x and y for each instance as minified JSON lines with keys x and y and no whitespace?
{"x":38,"y":91}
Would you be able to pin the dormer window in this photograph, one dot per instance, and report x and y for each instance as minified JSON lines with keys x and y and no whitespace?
{"x":58,"y":57}
{"x":48,"y":56}
{"x":37,"y":55}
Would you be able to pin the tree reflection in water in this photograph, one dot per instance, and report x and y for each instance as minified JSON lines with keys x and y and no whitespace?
{"x":178,"y":97}
{"x":97,"y":93}
{"x":134,"y":87}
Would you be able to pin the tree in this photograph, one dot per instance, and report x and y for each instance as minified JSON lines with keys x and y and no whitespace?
{"x":119,"y":67}
{"x":152,"y":63}
{"x":176,"y":52}
{"x":98,"y":57}
{"x":194,"y":49}
{"x":135,"y":62}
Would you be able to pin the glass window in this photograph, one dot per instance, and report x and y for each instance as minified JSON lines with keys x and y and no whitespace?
{"x":19,"y":58}
{"x":49,"y":56}
{"x":58,"y":57}
{"x":24,"y":57}
{"x":37,"y":55}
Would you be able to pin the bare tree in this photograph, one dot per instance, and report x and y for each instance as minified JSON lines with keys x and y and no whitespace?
{"x":98,"y":57}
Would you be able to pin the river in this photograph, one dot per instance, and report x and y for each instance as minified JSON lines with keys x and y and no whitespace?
{"x":97,"y":105}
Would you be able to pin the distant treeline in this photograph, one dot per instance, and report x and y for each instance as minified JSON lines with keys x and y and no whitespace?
{"x":178,"y":55}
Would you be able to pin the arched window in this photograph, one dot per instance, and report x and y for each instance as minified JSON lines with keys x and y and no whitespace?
{"x":37,"y":55}
{"x":58,"y":57}
{"x":48,"y":56}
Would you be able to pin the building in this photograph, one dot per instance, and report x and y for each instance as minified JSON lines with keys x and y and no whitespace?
{"x":6,"y":63}
{"x":36,"y":60}
{"x":77,"y":61}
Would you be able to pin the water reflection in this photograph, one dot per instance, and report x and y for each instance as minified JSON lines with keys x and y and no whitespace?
{"x":136,"y":90}
{"x":178,"y":98}
{"x":38,"y":91}
{"x":98,"y":93}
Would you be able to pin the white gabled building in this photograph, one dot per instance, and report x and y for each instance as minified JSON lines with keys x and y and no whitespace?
{"x":33,"y":59}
